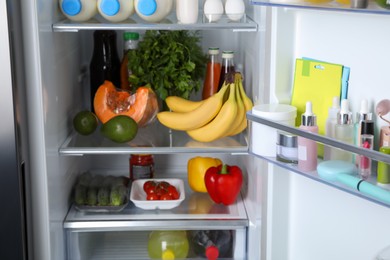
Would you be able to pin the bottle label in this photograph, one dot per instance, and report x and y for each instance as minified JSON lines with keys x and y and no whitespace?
{"x":302,"y":153}
{"x":141,"y":172}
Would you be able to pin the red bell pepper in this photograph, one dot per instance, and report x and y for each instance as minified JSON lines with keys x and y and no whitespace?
{"x":223,"y":183}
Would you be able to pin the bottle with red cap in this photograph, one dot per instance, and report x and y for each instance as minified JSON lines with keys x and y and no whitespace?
{"x":212,"y":244}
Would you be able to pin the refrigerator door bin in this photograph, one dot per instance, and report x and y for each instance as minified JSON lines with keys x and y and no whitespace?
{"x":134,"y":245}
{"x":331,"y":142}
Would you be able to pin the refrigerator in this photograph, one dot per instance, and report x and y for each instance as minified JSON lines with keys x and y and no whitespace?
{"x":282,"y":213}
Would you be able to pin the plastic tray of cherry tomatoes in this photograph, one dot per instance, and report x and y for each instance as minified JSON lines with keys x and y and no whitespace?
{"x":157,"y":193}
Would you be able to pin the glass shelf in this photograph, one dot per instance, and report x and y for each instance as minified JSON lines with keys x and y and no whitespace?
{"x":372,"y":7}
{"x":190,"y":214}
{"x":154,"y":139}
{"x":170,"y":23}
{"x":334,"y":143}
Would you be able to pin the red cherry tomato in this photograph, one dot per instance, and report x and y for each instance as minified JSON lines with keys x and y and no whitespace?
{"x":165,"y":196}
{"x":172,"y":191}
{"x":163,"y":184}
{"x":148,"y":184}
{"x":152,"y":196}
{"x":151,"y":190}
{"x":160,"y":191}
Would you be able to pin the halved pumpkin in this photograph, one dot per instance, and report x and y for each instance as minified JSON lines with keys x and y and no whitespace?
{"x":109,"y":102}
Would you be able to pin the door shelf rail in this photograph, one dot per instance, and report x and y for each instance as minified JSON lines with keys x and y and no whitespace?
{"x":372,"y":7}
{"x":314,"y":176}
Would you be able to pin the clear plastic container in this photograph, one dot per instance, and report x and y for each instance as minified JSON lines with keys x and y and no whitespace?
{"x":78,"y":10}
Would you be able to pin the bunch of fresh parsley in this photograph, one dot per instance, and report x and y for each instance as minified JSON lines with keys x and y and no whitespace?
{"x":171,"y":62}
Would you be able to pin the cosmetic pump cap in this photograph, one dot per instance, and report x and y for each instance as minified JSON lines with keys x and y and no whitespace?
{"x":367,"y":127}
{"x":335,"y":108}
{"x":344,"y":117}
{"x":363,"y":114}
{"x":308,"y":118}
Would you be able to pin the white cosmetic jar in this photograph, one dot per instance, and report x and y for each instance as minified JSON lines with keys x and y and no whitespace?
{"x":287,"y":148}
{"x":263,"y":138}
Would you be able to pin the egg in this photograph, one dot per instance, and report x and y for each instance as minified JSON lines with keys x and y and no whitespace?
{"x":235,"y":9}
{"x":213,"y":10}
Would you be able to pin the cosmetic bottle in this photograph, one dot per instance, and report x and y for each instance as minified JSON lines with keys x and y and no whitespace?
{"x":362,"y":115}
{"x":383,"y":171}
{"x":307,"y":149}
{"x":344,"y":131}
{"x":367,"y":142}
{"x":330,"y":126}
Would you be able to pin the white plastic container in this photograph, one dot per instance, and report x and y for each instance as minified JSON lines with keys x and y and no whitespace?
{"x":153,"y":11}
{"x":116,"y":10}
{"x":138,"y":195}
{"x":187,"y":11}
{"x":264,"y":138}
{"x":78,"y":10}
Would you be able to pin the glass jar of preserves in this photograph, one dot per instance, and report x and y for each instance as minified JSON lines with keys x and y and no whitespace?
{"x":141,"y":166}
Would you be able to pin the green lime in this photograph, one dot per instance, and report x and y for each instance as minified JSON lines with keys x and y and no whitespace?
{"x":85,"y":122}
{"x":120,"y":129}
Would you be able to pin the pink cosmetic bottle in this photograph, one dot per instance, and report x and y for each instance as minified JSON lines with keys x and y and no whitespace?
{"x":307,"y":149}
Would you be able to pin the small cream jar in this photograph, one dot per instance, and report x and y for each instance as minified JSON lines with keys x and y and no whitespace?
{"x":287,"y":148}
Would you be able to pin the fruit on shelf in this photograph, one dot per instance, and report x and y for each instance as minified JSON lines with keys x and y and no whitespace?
{"x":196,"y":169}
{"x":179,"y":104}
{"x":120,"y":129}
{"x":109,"y":102}
{"x":85,"y":122}
{"x":195,"y":118}
{"x":203,"y":123}
{"x":221,"y":124}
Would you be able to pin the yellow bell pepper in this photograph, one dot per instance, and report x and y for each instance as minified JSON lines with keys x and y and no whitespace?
{"x":196,"y":169}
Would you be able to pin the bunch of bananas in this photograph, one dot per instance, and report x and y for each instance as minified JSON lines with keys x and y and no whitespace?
{"x":222,"y":114}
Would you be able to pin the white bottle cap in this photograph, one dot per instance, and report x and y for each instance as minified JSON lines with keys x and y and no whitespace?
{"x":363,"y":114}
{"x":335,"y":108}
{"x":344,"y":117}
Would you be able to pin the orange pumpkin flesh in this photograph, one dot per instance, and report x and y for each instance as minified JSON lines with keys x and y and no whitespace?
{"x":109,"y":102}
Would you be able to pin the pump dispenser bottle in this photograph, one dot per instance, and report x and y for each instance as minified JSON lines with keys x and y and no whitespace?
{"x":344,"y":131}
{"x":307,"y":149}
{"x":330,"y":127}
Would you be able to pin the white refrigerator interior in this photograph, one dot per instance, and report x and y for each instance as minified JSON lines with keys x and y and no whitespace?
{"x":286,"y":215}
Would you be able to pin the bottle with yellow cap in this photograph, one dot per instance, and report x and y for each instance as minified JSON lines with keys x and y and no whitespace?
{"x":168,"y":245}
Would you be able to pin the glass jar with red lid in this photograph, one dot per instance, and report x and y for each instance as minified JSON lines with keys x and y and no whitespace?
{"x":141,"y":166}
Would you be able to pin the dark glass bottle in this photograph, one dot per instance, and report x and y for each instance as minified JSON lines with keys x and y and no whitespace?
{"x":227,"y":66}
{"x":105,"y":63}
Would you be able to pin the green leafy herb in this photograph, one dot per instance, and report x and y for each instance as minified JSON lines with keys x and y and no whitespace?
{"x":171,"y":62}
